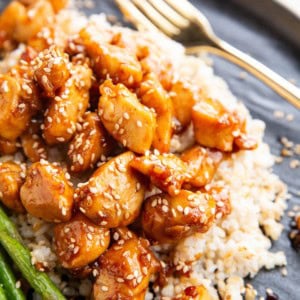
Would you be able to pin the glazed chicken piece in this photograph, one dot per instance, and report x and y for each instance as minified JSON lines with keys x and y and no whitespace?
{"x":166,"y":171}
{"x":125,"y":270}
{"x":168,"y":219}
{"x":194,"y":293}
{"x":68,"y":106}
{"x":47,"y":193}
{"x":202,"y":164}
{"x":89,"y":144}
{"x":14,"y":112}
{"x":8,"y":147}
{"x":183,"y":98}
{"x":11,"y":178}
{"x":125,"y":118}
{"x":56,"y":4}
{"x":216,"y":127}
{"x":79,"y":242}
{"x":154,"y":96}
{"x":52,"y":70}
{"x":114,"y":194}
{"x":32,"y":143}
{"x":19,"y":22}
{"x":109,"y":60}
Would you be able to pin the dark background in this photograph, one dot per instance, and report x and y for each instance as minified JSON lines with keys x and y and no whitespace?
{"x":259,"y":38}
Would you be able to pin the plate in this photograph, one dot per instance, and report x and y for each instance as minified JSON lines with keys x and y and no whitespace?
{"x":235,"y":25}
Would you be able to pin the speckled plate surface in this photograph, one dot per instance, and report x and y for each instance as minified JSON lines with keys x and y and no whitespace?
{"x":260,"y":39}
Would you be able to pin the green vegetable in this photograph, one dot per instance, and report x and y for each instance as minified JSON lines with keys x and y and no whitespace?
{"x":2,"y":294}
{"x":8,"y":281}
{"x":11,"y":242}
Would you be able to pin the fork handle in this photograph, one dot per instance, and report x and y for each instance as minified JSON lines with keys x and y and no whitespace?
{"x":280,"y":85}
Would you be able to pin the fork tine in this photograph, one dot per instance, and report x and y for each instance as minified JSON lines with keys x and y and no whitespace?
{"x":155,"y":17}
{"x":169,"y":13}
{"x":134,"y":15}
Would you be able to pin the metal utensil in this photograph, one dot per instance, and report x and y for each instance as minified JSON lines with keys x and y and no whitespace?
{"x":181,"y":21}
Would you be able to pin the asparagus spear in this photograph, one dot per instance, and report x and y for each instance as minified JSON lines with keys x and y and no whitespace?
{"x":2,"y":294}
{"x":8,"y":281}
{"x":10,"y":240}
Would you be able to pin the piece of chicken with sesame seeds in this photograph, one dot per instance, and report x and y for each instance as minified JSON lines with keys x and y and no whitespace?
{"x":166,"y":171}
{"x":11,"y":179}
{"x":202,"y":163}
{"x":154,"y":96}
{"x":19,"y":22}
{"x":14,"y":112}
{"x":125,"y":270}
{"x":32,"y":143}
{"x":183,"y":96}
{"x":8,"y":147}
{"x":51,"y":70}
{"x":47,"y":193}
{"x":110,"y":60}
{"x":68,"y":106}
{"x":169,"y":219}
{"x":217,"y":127}
{"x":114,"y":194}
{"x":79,"y":241}
{"x":193,"y":293}
{"x":90,"y":143}
{"x":125,"y":118}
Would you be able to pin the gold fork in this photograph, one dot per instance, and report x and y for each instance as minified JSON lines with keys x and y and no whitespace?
{"x":181,"y":21}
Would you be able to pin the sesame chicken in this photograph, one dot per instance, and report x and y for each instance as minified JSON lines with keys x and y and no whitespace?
{"x":32,"y":143}
{"x":68,"y":106}
{"x":183,"y":97}
{"x":79,"y":241}
{"x":114,"y":194}
{"x":11,"y":179}
{"x":90,"y":143}
{"x":14,"y":112}
{"x":154,"y":96}
{"x":110,"y":60}
{"x":52,"y":72}
{"x":8,"y":147}
{"x":125,"y":118}
{"x":168,"y":219}
{"x":46,"y":193}
{"x":193,"y":293}
{"x":167,"y":171}
{"x":202,"y":164}
{"x":125,"y":270}
{"x":19,"y":22}
{"x":216,"y":127}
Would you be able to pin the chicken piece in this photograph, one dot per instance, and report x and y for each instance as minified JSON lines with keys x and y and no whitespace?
{"x":125,"y":118}
{"x":202,"y":164}
{"x":52,"y":70}
{"x":79,"y":242}
{"x":14,"y":113}
{"x":11,"y":179}
{"x":114,"y":194}
{"x":20,"y":23}
{"x":68,"y":106}
{"x":222,"y":197}
{"x":59,"y":4}
{"x":121,"y":65}
{"x":154,"y":96}
{"x":168,"y":219}
{"x":166,"y":171}
{"x":8,"y":147}
{"x":122,"y":233}
{"x":183,"y":98}
{"x":125,"y":270}
{"x":194,"y":293}
{"x":32,"y":143}
{"x":216,"y":127}
{"x":89,"y":143}
{"x":47,"y":193}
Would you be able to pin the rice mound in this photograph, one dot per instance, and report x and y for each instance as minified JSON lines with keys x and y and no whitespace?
{"x":233,"y":248}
